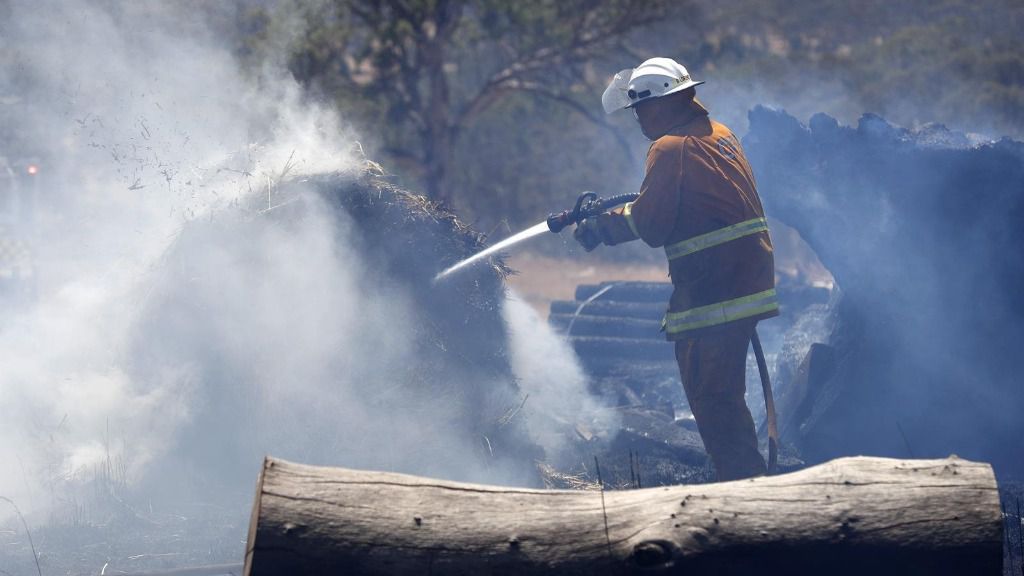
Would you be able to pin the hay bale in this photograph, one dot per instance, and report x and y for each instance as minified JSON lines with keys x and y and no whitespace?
{"x":418,"y":378}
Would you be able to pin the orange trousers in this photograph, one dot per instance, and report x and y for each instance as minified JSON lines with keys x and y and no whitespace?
{"x":713,"y":368}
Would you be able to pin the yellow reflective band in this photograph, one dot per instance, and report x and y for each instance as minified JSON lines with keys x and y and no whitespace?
{"x":627,"y":211}
{"x":720,"y":236}
{"x":721,"y":312}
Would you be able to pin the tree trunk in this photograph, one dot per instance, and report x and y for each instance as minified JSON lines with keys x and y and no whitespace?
{"x":848,"y":516}
{"x":438,"y":145}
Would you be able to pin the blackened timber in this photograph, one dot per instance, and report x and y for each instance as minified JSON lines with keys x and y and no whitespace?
{"x":639,"y":310}
{"x":652,"y":292}
{"x":607,"y":326}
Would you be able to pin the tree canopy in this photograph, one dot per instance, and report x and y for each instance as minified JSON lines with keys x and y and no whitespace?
{"x":421,"y":72}
{"x":494,"y":106}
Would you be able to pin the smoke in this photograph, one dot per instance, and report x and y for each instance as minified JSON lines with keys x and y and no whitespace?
{"x":187,"y":318}
{"x":143,"y":124}
{"x":729,"y":98}
{"x":556,"y":387}
{"x":302,"y":352}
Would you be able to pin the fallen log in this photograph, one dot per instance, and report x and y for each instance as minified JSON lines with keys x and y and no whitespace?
{"x":848,"y":516}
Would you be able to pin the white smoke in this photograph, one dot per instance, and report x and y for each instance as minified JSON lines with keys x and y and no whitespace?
{"x":550,"y":374}
{"x":167,"y":321}
{"x":144,"y":124}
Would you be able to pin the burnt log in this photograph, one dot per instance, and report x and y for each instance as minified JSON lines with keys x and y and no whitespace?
{"x":624,"y":350}
{"x":849,"y":516}
{"x":651,"y":292}
{"x":639,"y":310}
{"x":606,"y":326}
{"x":920,"y":229}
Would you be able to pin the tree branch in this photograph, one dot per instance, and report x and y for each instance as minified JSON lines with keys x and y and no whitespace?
{"x":591,"y":35}
{"x":582,"y":110}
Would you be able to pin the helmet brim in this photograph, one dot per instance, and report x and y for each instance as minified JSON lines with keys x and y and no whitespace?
{"x":675,"y":89}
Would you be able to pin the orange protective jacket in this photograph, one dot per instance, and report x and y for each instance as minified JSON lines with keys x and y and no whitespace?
{"x":699,"y":201}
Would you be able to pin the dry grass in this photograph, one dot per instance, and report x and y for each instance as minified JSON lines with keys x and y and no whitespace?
{"x":558,"y":480}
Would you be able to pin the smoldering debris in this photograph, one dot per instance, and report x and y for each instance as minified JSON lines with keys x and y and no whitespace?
{"x":615,"y":330}
{"x":921,"y":230}
{"x":312,"y":324}
{"x":144,"y":382}
{"x":303,"y":321}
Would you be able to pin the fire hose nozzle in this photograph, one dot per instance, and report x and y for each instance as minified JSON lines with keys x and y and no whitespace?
{"x":588,"y":205}
{"x":558,"y":222}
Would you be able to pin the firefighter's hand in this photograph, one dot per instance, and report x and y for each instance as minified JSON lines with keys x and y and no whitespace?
{"x":587,"y":235}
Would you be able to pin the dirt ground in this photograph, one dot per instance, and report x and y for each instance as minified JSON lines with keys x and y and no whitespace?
{"x":541,"y":279}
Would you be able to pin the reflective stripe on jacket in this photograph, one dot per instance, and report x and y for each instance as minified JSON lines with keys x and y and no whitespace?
{"x":700,"y":202}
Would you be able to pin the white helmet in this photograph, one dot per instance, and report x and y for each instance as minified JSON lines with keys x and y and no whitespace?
{"x":654,"y":78}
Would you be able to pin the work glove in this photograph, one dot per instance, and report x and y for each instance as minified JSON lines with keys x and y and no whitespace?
{"x":587,"y":235}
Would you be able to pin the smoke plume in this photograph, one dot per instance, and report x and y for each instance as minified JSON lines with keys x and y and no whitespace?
{"x":173,"y":338}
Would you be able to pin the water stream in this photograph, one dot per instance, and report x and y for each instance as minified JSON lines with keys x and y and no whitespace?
{"x":530,"y":232}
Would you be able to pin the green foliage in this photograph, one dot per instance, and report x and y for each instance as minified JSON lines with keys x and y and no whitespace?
{"x":973,"y":86}
{"x":949,"y":61}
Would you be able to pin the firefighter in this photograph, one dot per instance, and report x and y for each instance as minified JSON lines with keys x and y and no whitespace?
{"x":699,"y":202}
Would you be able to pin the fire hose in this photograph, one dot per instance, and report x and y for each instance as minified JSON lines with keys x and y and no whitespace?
{"x":769,"y":404}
